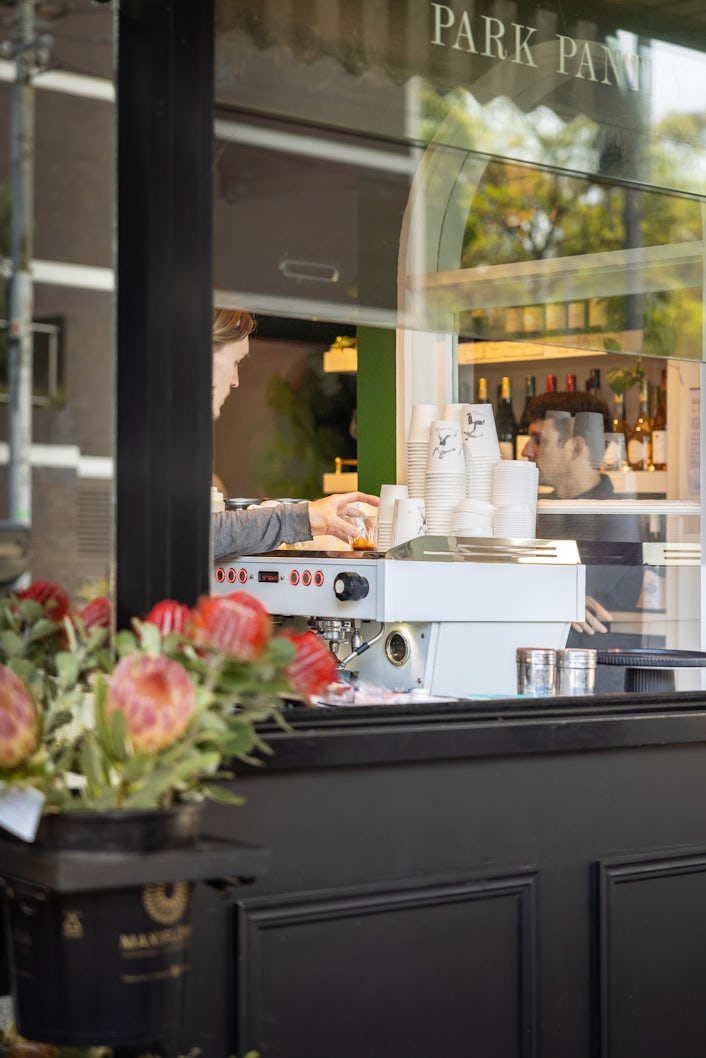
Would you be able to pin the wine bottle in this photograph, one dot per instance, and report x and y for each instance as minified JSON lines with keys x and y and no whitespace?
{"x":617,"y":441}
{"x":524,"y":424}
{"x":482,"y":391}
{"x":571,"y":383}
{"x":551,"y":384}
{"x":505,"y":421}
{"x":619,"y":421}
{"x":593,"y":382}
{"x":640,"y":442}
{"x":659,"y":427}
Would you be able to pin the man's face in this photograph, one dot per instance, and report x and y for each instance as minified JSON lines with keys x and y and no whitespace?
{"x":226,"y":359}
{"x":547,"y":449}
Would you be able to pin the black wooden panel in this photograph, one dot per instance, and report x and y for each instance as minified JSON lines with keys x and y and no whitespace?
{"x":652,"y":943}
{"x":435,"y":969}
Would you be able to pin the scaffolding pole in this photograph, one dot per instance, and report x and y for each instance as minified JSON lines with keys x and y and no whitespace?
{"x":21,"y":246}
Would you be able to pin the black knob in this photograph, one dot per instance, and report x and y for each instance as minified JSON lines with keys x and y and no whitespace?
{"x":350,"y":586}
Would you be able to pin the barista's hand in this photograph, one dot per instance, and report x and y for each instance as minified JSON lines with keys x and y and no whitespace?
{"x":595,"y":616}
{"x":331,"y":516}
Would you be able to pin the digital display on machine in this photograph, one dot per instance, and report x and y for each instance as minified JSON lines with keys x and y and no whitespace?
{"x":268,"y":576}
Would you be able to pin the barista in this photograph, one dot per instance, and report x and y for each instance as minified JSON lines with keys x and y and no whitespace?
{"x":264,"y":529}
{"x":566,"y":441}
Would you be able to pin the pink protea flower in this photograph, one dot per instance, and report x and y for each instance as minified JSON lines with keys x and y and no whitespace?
{"x":156,"y":697}
{"x":238,"y":628}
{"x":19,"y":722}
{"x":169,"y":616}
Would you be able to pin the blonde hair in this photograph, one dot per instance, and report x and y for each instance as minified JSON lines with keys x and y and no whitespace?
{"x":231,"y":325}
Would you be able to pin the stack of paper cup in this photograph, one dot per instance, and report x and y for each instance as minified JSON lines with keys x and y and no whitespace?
{"x":515,"y":486}
{"x":408,"y":521}
{"x":418,"y":447}
{"x":481,"y":451}
{"x":445,"y":481}
{"x":386,"y":510}
{"x":472,"y":518}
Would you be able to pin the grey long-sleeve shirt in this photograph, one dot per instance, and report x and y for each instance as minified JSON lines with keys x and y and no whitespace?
{"x":261,"y":529}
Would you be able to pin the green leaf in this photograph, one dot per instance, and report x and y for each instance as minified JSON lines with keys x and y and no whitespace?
{"x":138,"y":767}
{"x":94,"y":766}
{"x":222,"y":795}
{"x":164,"y":780}
{"x":67,"y":668}
{"x":124,"y":643}
{"x":117,"y":740}
{"x":11,"y":645}
{"x":150,"y":638}
{"x":43,"y":629}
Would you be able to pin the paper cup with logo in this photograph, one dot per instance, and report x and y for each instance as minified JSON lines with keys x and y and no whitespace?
{"x":445,"y":448}
{"x":480,"y":436}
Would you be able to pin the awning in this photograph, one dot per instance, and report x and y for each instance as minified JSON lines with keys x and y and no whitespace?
{"x":532,"y":54}
{"x":395,"y":35}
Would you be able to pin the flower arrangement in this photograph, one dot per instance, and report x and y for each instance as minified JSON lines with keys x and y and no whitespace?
{"x":148,"y":717}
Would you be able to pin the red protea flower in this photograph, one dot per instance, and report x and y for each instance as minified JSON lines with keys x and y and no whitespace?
{"x":19,"y":722}
{"x":51,"y":596}
{"x":314,"y":666}
{"x":156,"y":697}
{"x":169,"y":616}
{"x":231,"y":626}
{"x":96,"y":613}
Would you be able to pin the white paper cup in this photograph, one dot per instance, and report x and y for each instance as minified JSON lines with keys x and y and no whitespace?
{"x":589,"y":425}
{"x":446,"y":448}
{"x":408,"y":521}
{"x":480,"y":436}
{"x":421,"y":419}
{"x":388,"y":495}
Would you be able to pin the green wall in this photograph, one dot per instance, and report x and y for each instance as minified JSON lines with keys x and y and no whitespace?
{"x":376,"y":385}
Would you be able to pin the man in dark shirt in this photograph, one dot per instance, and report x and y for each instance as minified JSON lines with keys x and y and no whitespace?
{"x":567,"y":442}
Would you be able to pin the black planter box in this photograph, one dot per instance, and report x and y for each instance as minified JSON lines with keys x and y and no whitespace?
{"x":100,"y":942}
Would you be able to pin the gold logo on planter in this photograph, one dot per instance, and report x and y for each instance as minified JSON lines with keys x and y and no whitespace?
{"x":71,"y":925}
{"x":165,"y":903}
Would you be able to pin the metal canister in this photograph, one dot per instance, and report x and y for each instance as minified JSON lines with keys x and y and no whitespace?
{"x":536,"y":667}
{"x":575,"y":671}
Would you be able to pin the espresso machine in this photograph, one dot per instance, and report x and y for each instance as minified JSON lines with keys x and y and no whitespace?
{"x":437,"y":615}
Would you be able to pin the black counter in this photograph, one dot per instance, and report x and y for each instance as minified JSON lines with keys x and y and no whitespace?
{"x":492,"y":879}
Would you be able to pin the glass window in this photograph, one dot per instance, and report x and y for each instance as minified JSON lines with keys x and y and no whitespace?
{"x":522,"y":198}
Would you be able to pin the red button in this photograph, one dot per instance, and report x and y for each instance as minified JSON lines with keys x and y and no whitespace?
{"x":294,"y":577}
{"x":306,"y":578}
{"x":318,"y":578}
{"x":220,"y":574}
{"x":231,"y":576}
{"x":242,"y":575}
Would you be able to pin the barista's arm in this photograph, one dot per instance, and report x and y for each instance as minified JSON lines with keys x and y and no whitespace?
{"x":264,"y":528}
{"x":258,"y":530}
